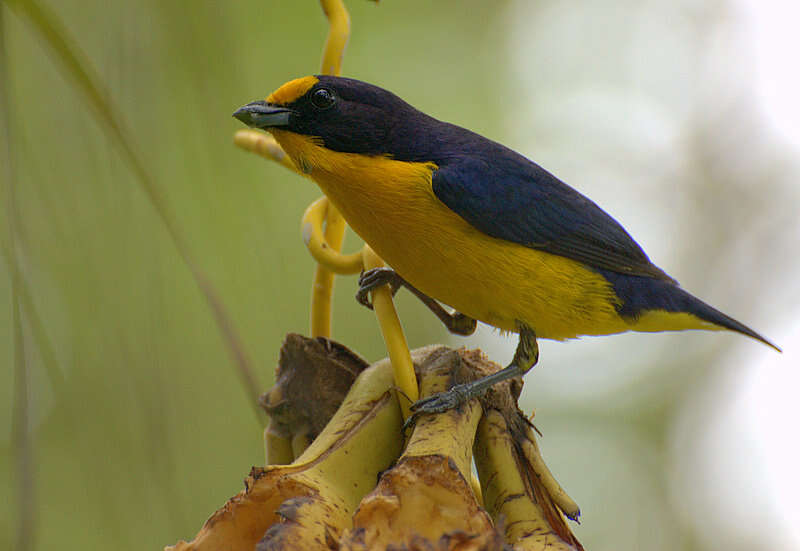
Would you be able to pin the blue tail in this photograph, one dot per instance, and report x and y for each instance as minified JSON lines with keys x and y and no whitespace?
{"x":639,"y":294}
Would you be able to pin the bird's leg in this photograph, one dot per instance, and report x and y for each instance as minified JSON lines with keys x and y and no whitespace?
{"x":525,"y":357}
{"x":456,"y":322}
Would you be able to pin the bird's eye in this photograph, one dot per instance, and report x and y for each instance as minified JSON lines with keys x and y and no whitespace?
{"x":323,"y":98}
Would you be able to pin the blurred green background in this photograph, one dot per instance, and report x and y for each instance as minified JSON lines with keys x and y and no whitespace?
{"x":139,"y":426}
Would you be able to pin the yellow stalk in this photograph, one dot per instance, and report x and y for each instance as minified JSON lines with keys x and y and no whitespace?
{"x":322,"y":287}
{"x":338,"y":35}
{"x":393,"y":337}
{"x":277,"y":447}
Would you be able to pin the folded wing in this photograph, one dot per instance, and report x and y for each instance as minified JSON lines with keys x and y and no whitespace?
{"x":514,"y":199}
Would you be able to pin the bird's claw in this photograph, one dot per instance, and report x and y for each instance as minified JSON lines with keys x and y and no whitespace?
{"x":362,"y":297}
{"x":439,"y":403}
{"x":372,"y":279}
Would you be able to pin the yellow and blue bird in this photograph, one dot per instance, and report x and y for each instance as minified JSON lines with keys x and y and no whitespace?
{"x":470,"y":223}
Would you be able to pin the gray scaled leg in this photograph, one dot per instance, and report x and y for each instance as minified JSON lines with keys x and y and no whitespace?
{"x":525,"y":357}
{"x":456,"y":322}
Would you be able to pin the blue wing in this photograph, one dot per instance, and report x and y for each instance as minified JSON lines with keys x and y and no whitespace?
{"x":512,"y":198}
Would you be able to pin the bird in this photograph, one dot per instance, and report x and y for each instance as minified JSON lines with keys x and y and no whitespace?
{"x":469,"y":223}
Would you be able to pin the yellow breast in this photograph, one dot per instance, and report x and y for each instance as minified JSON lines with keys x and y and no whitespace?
{"x":391,"y":205}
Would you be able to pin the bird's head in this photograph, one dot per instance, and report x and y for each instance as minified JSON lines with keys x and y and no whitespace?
{"x":345,"y":115}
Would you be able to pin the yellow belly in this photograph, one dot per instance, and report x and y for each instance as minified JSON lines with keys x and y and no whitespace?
{"x":391,"y":205}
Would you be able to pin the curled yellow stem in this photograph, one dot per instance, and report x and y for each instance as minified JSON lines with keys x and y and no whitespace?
{"x":264,"y":145}
{"x":320,"y":246}
{"x":332,"y":261}
{"x":338,"y":35}
{"x":322,"y":287}
{"x":324,"y":245}
{"x":393,"y":336}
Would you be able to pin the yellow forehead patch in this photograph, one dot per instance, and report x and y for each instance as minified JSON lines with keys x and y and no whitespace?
{"x":292,"y":90}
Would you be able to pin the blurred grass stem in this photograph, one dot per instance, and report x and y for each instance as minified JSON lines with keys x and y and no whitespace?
{"x":21,"y":414}
{"x":79,"y":71}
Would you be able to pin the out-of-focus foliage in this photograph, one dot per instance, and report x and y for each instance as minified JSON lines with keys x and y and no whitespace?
{"x":146,"y":429}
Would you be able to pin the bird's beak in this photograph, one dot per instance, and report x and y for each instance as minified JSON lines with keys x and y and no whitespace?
{"x":260,"y":114}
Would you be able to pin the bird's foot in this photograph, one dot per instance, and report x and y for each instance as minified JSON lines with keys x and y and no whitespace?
{"x":460,"y":324}
{"x":442,"y":402}
{"x":374,"y":278}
